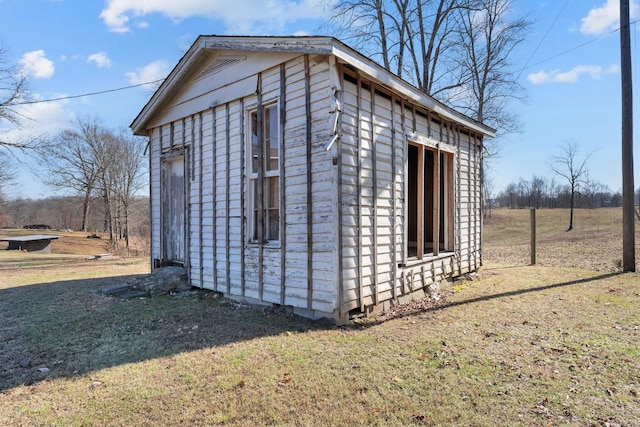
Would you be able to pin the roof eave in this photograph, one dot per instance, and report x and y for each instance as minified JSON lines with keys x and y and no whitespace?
{"x":393,"y":82}
{"x":138,"y":126}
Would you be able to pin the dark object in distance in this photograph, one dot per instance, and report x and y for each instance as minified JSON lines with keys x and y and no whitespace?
{"x":37,"y":227}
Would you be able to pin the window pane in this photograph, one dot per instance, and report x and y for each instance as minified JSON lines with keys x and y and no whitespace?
{"x":273,"y":192}
{"x":254,"y":209}
{"x":274,"y":225}
{"x":271,"y":135}
{"x":254,"y":142}
{"x":272,"y":220}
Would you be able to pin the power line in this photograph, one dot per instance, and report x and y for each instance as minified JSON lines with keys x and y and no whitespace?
{"x":525,"y":67}
{"x":573,"y":48}
{"x":63,"y":98}
{"x":542,"y":39}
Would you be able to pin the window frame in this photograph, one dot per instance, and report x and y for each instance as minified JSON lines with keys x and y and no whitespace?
{"x":442,"y":190}
{"x":260,"y":174}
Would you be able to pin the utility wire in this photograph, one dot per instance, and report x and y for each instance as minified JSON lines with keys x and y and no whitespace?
{"x":62,"y":98}
{"x":525,"y":67}
{"x":542,"y":39}
{"x":615,"y":30}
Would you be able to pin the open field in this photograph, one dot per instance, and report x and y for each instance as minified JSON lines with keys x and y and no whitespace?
{"x":545,"y":345}
{"x":77,"y":243}
{"x":595,"y":242}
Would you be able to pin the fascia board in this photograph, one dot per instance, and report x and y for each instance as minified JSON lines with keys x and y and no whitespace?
{"x":402,"y":87}
{"x":310,"y":45}
{"x":168,"y":86}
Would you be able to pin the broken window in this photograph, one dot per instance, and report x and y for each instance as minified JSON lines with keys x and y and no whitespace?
{"x":429,"y":201}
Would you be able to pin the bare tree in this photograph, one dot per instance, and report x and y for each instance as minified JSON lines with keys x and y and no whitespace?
{"x":131,"y":175}
{"x":119,"y":177}
{"x":524,"y":191}
{"x":538,"y":189}
{"x":97,"y":162}
{"x":510,"y":194}
{"x":12,"y":88}
{"x":487,"y":81}
{"x":106,"y":154}
{"x":569,"y":166}
{"x":489,"y":196}
{"x":454,"y":50}
{"x":13,"y":93}
{"x":7,"y":174}
{"x":73,"y":160}
{"x":407,"y":37}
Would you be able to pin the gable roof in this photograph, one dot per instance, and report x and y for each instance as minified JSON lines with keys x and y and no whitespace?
{"x":301,"y":45}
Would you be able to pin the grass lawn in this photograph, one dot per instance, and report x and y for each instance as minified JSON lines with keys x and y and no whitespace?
{"x":521,"y":345}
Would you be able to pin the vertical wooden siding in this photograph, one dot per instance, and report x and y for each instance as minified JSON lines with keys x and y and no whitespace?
{"x":376,"y":129}
{"x":220,"y":257}
{"x":301,"y":270}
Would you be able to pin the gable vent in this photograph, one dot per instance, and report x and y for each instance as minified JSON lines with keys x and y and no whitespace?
{"x":220,"y":64}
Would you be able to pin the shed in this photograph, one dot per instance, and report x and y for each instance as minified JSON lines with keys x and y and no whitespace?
{"x":296,"y":171}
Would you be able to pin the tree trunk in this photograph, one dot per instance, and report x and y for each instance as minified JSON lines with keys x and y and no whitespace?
{"x":383,"y":34}
{"x":126,"y":226}
{"x":573,"y":192}
{"x":85,"y":209}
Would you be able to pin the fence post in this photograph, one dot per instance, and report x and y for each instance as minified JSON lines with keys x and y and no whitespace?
{"x":533,"y":235}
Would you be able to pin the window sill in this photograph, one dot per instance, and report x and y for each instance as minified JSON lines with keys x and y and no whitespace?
{"x":266,"y":245}
{"x":413,"y":261}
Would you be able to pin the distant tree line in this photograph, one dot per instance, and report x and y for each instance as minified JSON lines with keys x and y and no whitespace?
{"x":541,"y":192}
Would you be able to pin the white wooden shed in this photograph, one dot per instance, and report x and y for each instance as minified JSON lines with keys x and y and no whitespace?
{"x":296,"y":171}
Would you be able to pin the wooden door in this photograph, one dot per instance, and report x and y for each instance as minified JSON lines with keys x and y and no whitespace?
{"x":173,"y":210}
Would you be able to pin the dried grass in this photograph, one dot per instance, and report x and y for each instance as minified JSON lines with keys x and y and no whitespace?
{"x":595,"y":243}
{"x":520,"y":346}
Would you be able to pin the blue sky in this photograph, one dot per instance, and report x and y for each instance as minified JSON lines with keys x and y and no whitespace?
{"x":569,"y":67}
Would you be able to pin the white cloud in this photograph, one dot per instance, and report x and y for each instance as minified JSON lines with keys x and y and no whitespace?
{"x":149,"y":73}
{"x":101,"y":59}
{"x":246,"y":15}
{"x":572,"y":76}
{"x":605,"y":18}
{"x":37,"y":65}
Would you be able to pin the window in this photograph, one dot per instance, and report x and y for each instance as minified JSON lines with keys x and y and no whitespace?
{"x":264,"y":178}
{"x":429,"y":201}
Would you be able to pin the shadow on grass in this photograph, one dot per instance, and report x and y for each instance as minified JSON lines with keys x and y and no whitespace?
{"x":70,"y":328}
{"x":443,"y":304}
{"x":529,"y":290}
